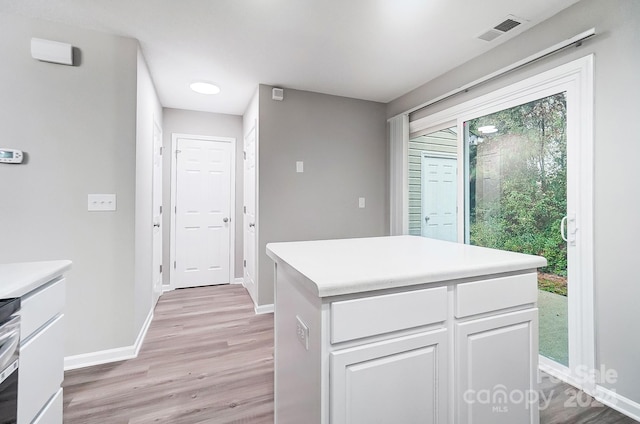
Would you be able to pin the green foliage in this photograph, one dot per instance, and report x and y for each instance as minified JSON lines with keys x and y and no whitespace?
{"x":519,"y":206}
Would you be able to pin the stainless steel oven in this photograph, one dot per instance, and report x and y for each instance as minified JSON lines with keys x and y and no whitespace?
{"x":9,"y":342}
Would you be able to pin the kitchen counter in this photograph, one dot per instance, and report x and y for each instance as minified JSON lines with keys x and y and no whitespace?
{"x":18,"y":279}
{"x":404,"y":329}
{"x":366,"y":264}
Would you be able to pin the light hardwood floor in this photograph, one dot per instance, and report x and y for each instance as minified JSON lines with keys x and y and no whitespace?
{"x":208,"y":358}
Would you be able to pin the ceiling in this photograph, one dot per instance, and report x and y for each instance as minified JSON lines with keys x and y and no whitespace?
{"x":366,"y":49}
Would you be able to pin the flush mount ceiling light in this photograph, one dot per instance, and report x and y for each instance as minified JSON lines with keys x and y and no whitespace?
{"x":205,"y":87}
{"x":488,"y":129}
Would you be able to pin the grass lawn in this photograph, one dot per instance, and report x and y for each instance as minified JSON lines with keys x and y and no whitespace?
{"x":552,"y":283}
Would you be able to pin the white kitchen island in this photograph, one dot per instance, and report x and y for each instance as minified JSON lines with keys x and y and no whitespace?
{"x":404,"y":330}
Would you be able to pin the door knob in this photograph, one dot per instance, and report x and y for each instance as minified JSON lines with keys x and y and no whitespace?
{"x":252,"y":224}
{"x":157,"y":225}
{"x":225,"y":219}
{"x":426,"y":219}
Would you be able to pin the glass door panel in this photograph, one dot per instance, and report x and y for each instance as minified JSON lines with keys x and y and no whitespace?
{"x":517,"y":197}
{"x":433,"y":193}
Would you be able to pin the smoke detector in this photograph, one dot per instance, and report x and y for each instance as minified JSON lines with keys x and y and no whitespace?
{"x":507,"y":24}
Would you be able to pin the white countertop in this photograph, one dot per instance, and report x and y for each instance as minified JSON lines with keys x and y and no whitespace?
{"x":18,"y":279}
{"x":337,"y":267}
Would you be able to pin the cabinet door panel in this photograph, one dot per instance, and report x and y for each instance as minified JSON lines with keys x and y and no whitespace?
{"x":403,"y":380}
{"x":497,"y":361}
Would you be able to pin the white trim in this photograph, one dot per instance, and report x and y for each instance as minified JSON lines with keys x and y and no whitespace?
{"x":238,"y":280}
{"x":562,"y":373}
{"x":263,"y":309}
{"x":232,"y":213}
{"x":519,"y":64}
{"x":576,"y":79}
{"x":618,"y":402}
{"x":109,"y":355}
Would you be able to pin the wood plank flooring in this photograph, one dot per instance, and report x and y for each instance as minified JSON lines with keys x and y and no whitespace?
{"x":208,"y":358}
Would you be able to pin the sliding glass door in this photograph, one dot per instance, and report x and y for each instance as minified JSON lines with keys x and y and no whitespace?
{"x":517,"y":200}
{"x":523,"y":161}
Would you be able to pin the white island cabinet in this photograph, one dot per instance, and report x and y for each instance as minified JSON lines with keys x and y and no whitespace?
{"x":404,"y":330}
{"x":41,"y":289}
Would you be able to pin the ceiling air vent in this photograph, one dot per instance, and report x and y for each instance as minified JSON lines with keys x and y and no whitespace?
{"x":508,"y":24}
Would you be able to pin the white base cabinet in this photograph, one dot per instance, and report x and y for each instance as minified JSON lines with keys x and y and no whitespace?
{"x":425,"y":355}
{"x":404,"y":330}
{"x":41,"y":366}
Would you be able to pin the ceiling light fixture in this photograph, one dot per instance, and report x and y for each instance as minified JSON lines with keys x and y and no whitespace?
{"x":488,"y":129}
{"x":205,"y":87}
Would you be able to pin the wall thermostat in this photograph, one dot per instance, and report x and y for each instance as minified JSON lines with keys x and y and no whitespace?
{"x":10,"y":155}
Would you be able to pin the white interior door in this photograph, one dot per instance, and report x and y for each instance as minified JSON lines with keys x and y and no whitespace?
{"x":250,"y":213}
{"x":157,"y":212}
{"x":202,"y":212}
{"x":439,"y":196}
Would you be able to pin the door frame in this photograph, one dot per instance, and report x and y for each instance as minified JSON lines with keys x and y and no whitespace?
{"x":253,"y":291}
{"x":576,"y":79}
{"x":232,"y":214}
{"x":156,"y":292}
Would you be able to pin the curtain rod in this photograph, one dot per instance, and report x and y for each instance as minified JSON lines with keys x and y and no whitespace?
{"x":575,"y":40}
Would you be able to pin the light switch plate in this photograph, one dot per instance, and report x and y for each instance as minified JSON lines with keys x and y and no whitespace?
{"x":299,"y":166}
{"x":361,"y":202}
{"x":302,"y":332}
{"x":101,"y":202}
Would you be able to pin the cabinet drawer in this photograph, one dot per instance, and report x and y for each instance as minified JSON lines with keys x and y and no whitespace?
{"x":41,"y":307}
{"x":496,"y":293}
{"x":41,"y":370}
{"x":52,"y":413}
{"x":358,"y":318}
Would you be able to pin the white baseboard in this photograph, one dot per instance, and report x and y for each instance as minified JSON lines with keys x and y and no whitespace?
{"x":263,"y":309}
{"x":238,"y":280}
{"x":109,"y":355}
{"x":562,"y":373}
{"x":618,"y":402}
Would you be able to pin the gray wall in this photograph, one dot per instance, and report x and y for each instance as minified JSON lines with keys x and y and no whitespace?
{"x":342,"y":143}
{"x":78,"y":128}
{"x":210,"y":124}
{"x":617,"y":149}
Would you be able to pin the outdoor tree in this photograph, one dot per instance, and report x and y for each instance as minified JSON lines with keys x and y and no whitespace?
{"x":518,"y":180}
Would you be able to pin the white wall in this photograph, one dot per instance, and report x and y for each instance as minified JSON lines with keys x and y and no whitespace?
{"x":209,"y":124}
{"x":342,"y":143}
{"x":77,"y":124}
{"x":148,"y":111}
{"x":617,"y":149}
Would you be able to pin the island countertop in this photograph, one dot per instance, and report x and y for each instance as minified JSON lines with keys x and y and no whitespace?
{"x":347,"y":266}
{"x":18,"y":279}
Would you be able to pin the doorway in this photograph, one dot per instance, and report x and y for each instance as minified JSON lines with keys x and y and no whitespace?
{"x":203,"y":214}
